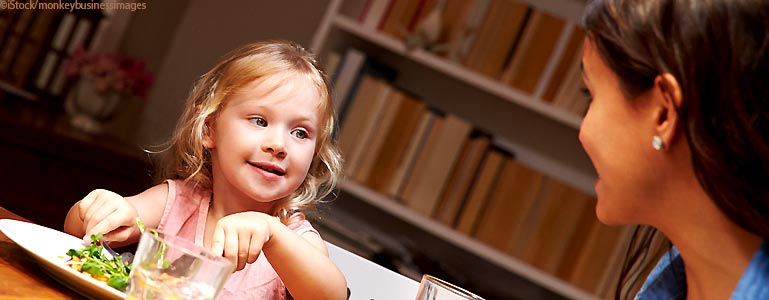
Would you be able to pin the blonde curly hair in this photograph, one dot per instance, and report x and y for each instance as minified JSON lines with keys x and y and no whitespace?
{"x":185,"y":157}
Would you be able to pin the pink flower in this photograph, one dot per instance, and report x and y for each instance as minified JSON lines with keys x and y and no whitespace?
{"x":112,"y":73}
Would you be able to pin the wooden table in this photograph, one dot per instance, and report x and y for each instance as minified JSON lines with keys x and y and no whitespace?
{"x":20,"y":277}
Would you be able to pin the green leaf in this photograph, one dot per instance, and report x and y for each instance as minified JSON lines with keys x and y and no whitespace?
{"x":92,"y":267}
{"x":75,"y":253}
{"x":119,"y":282}
{"x":96,"y":237}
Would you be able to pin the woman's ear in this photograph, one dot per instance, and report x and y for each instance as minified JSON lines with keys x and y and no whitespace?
{"x":667,"y":100}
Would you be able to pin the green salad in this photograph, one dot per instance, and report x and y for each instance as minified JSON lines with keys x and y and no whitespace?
{"x":93,"y":261}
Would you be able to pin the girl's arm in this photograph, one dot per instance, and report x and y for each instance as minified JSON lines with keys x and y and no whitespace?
{"x":106,"y":212}
{"x":303,"y":264}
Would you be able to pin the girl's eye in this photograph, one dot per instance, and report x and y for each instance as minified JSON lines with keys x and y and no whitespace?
{"x":300,"y":133}
{"x":259,"y":121}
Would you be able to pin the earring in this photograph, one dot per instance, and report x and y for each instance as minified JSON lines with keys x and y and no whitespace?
{"x":657,"y":143}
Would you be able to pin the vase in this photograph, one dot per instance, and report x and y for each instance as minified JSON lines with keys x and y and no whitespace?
{"x":89,"y":108}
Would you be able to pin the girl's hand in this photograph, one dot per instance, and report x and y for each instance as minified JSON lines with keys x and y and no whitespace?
{"x":240,"y":237}
{"x":106,"y":212}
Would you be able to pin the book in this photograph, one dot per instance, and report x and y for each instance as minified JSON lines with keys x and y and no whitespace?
{"x":368,"y":68}
{"x":511,"y":198}
{"x":375,"y":143}
{"x":8,"y":53}
{"x":398,"y":18}
{"x":354,"y":9}
{"x":373,"y":13}
{"x":405,"y":128}
{"x":424,"y":9}
{"x":571,"y":53}
{"x":331,"y":64}
{"x":464,"y":171}
{"x":611,"y":275}
{"x":66,"y":26}
{"x":551,"y":228}
{"x":598,"y":260}
{"x":78,"y":38}
{"x":533,"y":52}
{"x":480,"y":190}
{"x":577,"y":242}
{"x":467,"y":30}
{"x":344,"y":78}
{"x":436,"y":158}
{"x":362,"y":119}
{"x":25,"y":44}
{"x":394,"y":186}
{"x":570,"y":96}
{"x":454,"y":26}
{"x":496,"y":36}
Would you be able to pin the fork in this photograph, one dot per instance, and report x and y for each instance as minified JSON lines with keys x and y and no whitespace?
{"x":126,"y":257}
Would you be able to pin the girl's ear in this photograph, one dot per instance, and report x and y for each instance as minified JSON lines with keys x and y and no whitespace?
{"x":667,"y":100}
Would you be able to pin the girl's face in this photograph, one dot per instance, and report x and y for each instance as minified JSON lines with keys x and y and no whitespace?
{"x":263,"y":140}
{"x":616,"y":136}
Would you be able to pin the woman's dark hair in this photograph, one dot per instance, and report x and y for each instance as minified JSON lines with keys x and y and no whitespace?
{"x":718,"y":51}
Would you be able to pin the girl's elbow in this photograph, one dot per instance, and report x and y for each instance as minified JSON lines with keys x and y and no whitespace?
{"x":342,"y":291}
{"x":338,"y":289}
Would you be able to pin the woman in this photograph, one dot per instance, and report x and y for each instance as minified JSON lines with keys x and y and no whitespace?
{"x":678,"y":132}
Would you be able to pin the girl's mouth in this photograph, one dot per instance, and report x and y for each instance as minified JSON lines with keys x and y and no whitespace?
{"x":269,"y":168}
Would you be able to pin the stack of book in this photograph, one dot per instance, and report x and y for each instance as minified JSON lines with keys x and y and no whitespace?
{"x":441,"y":166}
{"x":517,"y":44}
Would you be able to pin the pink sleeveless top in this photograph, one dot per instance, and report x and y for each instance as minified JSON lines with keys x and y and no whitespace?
{"x":185,"y":216}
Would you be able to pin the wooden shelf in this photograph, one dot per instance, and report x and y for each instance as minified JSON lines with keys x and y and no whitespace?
{"x":448,"y":234}
{"x":567,"y":9}
{"x":460,"y":73}
{"x":518,"y":121}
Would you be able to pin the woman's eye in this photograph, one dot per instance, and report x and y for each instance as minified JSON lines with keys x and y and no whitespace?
{"x":299,"y":133}
{"x":259,"y":121}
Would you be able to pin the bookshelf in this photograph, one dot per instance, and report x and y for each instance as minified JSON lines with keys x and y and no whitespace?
{"x":516,"y":120}
{"x":495,"y":106}
{"x":448,"y":234}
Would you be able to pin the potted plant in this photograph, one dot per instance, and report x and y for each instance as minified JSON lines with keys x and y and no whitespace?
{"x":103,"y":80}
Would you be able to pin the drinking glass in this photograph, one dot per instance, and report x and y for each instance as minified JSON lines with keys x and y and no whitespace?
{"x":168,"y":267}
{"x":432,"y":288}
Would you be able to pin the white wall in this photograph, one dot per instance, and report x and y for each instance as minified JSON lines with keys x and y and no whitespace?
{"x":208,"y":30}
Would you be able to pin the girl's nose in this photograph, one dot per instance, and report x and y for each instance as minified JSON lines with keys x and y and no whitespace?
{"x":275,"y":145}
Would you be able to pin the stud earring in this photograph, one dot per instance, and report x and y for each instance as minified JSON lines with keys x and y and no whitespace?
{"x":657,"y":143}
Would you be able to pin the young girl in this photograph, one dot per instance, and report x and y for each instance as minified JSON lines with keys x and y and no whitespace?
{"x":251,"y":152}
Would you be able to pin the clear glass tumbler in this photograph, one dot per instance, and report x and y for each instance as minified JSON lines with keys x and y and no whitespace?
{"x":168,"y":267}
{"x":432,"y":288}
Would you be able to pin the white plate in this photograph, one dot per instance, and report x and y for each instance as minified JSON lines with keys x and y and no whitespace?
{"x":48,"y":247}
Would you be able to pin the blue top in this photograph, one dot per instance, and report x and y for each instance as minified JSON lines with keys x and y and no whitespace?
{"x":667,"y":281}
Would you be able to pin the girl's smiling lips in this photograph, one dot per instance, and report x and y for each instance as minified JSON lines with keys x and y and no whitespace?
{"x":269,"y":168}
